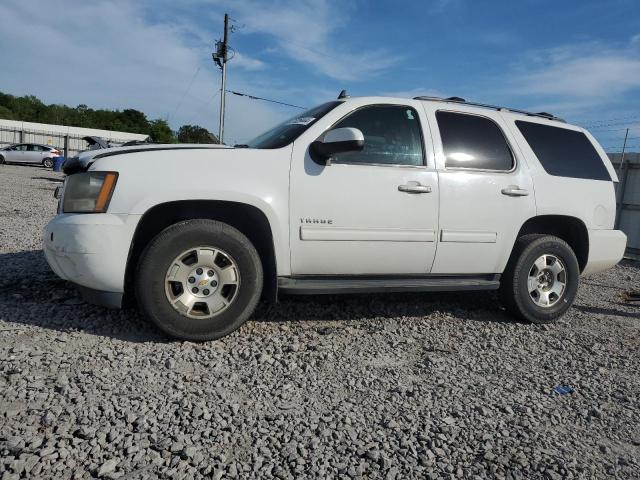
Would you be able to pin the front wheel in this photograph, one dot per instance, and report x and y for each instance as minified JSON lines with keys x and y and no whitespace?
{"x":199,"y":280}
{"x":47,"y":163}
{"x":541,"y":280}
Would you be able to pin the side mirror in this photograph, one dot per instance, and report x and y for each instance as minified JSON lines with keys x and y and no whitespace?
{"x":340,"y":140}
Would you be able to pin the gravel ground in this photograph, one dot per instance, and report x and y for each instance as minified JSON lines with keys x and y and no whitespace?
{"x":393,"y":386}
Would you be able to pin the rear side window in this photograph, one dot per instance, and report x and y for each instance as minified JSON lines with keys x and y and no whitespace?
{"x":471,"y":141}
{"x":563,"y":152}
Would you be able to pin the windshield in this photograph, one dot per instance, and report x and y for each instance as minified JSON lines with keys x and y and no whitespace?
{"x":288,"y":131}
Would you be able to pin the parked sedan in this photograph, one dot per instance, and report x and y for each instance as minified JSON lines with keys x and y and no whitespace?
{"x":29,"y":153}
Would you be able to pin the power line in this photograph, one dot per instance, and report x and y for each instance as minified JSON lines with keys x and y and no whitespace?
{"x":253,"y":97}
{"x":597,"y":127}
{"x":607,"y":130}
{"x":633,"y":117}
{"x":619,"y":149}
{"x":185,"y":93}
{"x":205,"y":105}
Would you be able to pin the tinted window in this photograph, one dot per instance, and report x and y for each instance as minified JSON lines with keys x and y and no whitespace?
{"x":20,"y":148}
{"x":392,"y":136}
{"x":288,"y":131}
{"x":563,"y":152}
{"x":470,"y":141}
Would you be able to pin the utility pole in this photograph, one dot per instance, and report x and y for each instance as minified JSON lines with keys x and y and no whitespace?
{"x":220,"y":57}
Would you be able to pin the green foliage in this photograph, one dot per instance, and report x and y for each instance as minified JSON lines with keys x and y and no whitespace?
{"x":160,"y":132}
{"x":196,"y":134}
{"x":6,"y":113}
{"x":31,"y":109}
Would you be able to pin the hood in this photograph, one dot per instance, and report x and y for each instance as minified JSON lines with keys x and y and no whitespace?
{"x":96,"y":142}
{"x":84,"y":160}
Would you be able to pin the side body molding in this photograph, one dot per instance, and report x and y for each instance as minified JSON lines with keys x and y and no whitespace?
{"x":366,"y":234}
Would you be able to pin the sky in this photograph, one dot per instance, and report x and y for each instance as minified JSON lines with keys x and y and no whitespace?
{"x":578,"y":59}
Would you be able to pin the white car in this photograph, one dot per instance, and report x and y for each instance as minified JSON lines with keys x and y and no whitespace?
{"x":369,"y":194}
{"x":29,"y":153}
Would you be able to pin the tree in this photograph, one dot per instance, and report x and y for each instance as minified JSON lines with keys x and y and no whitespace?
{"x":31,"y":109}
{"x":195,"y":134}
{"x":6,"y":113}
{"x":160,"y":132}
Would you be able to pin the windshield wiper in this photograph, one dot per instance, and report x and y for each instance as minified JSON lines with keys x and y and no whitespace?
{"x":241,"y":145}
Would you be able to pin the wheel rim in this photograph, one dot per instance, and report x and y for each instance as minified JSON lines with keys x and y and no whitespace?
{"x":202,"y":282}
{"x":48,"y":163}
{"x":547,"y":281}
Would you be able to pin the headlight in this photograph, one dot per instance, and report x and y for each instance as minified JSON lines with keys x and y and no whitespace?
{"x":88,"y":192}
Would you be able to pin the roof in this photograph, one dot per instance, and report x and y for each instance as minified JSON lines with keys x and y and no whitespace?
{"x":462,"y":101}
{"x":65,"y":130}
{"x":30,"y":143}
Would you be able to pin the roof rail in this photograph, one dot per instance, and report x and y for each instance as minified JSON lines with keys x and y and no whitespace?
{"x":546,"y":115}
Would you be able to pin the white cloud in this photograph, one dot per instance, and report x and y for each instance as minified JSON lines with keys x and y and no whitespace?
{"x":144,"y":55}
{"x":246,"y":62}
{"x":108,"y":56}
{"x":590,"y":70}
{"x":416,"y":92}
{"x":306,"y":31}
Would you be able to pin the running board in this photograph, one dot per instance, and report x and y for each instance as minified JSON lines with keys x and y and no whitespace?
{"x":364,"y":284}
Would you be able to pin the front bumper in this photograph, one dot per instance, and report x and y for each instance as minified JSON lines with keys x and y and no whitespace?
{"x":98,"y":297}
{"x":606,"y":249}
{"x":91,"y":250}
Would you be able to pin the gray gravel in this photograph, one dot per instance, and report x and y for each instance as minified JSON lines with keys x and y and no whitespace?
{"x":393,"y":386}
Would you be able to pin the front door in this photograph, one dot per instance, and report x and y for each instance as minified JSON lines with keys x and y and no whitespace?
{"x":371,"y":212}
{"x":17,"y":154}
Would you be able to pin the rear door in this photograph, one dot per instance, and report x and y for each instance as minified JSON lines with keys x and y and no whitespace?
{"x":33,"y":154}
{"x":486,"y":192}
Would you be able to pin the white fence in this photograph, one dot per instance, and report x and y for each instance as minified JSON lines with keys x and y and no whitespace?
{"x":628,"y":200}
{"x":59,"y":136}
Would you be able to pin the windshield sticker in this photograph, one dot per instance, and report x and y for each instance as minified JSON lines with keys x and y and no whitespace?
{"x":301,"y":121}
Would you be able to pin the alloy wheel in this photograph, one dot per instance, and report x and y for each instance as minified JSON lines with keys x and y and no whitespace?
{"x":202,"y":282}
{"x":547,"y":281}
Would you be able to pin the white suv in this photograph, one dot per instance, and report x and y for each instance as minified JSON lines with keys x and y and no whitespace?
{"x":356,"y":195}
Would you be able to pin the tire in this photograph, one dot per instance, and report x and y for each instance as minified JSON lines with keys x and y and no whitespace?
{"x":219,"y":249}
{"x":533,"y":287}
{"x":47,"y":163}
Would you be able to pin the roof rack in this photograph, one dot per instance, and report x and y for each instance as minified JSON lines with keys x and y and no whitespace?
{"x":546,"y":115}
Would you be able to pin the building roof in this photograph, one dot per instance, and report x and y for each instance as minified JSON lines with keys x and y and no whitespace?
{"x":75,"y":131}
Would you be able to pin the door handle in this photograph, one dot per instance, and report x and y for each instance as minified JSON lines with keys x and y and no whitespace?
{"x":414,"y":187}
{"x":515,"y":191}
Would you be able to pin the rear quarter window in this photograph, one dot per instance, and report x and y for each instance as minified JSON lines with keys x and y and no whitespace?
{"x":563,"y":152}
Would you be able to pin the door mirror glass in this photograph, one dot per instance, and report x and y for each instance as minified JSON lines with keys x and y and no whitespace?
{"x":338,"y":140}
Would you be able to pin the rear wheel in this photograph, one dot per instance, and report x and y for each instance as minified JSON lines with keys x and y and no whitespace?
{"x":541,"y":280}
{"x":199,"y":280}
{"x":47,"y":163}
